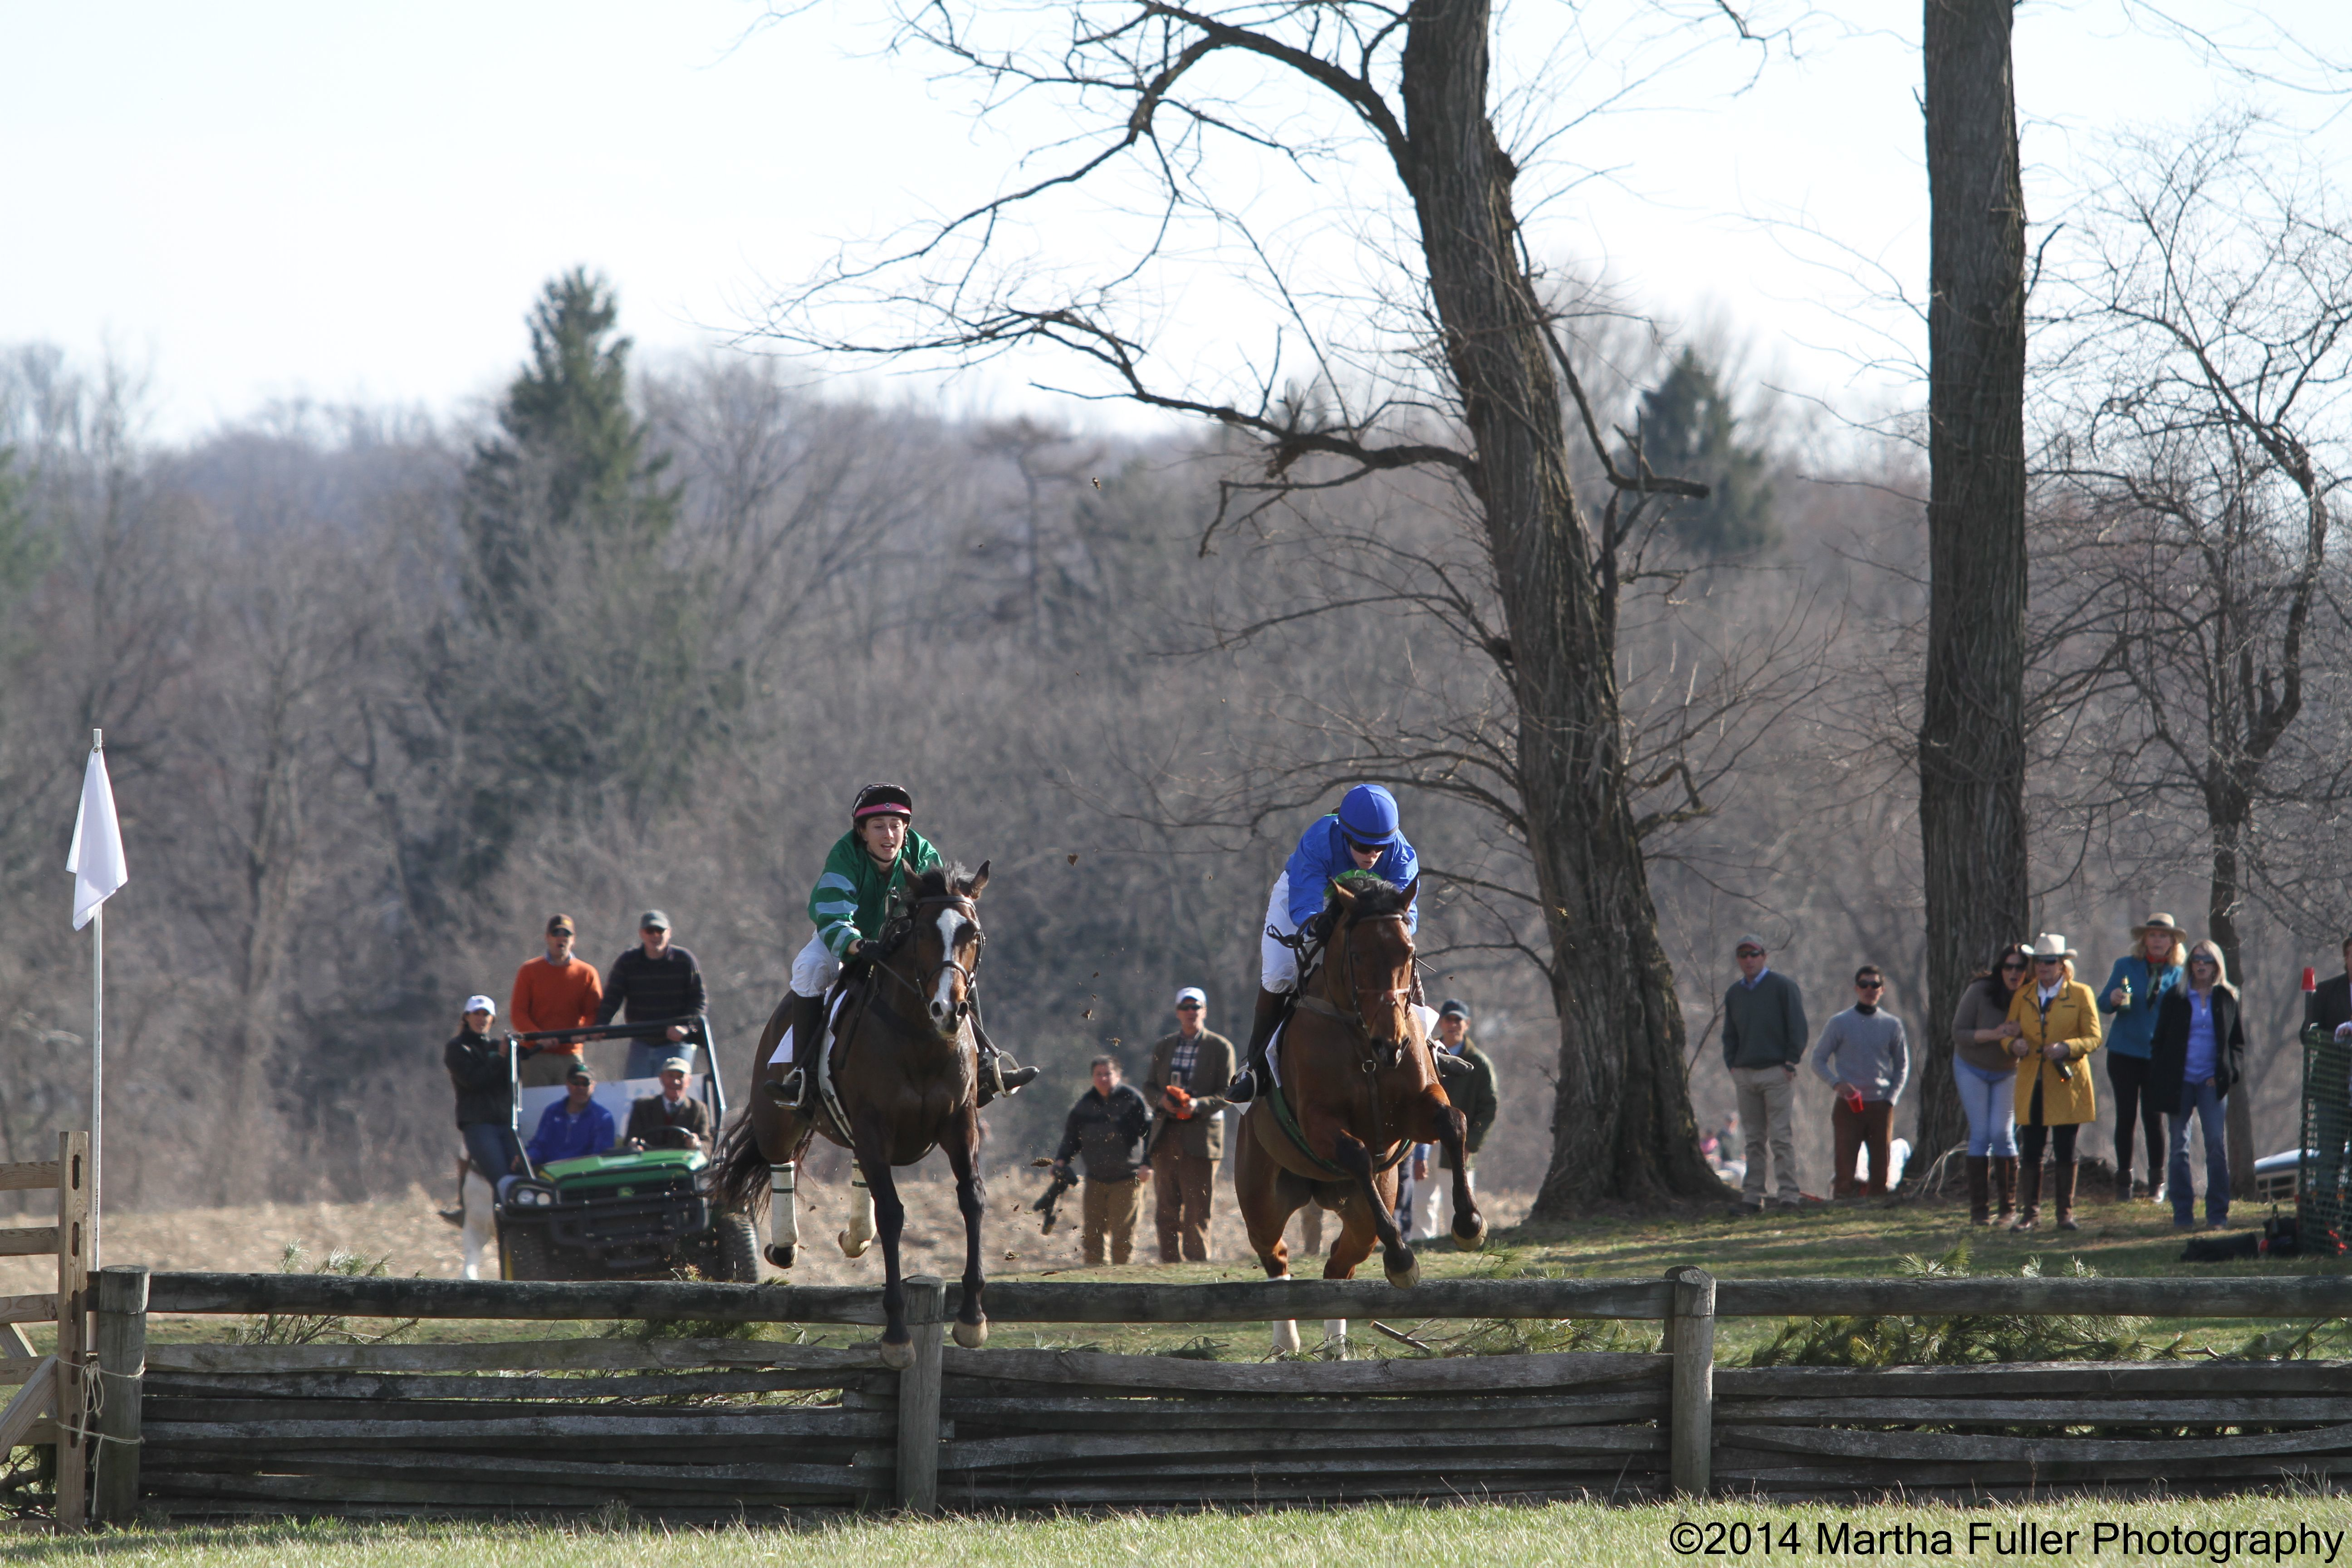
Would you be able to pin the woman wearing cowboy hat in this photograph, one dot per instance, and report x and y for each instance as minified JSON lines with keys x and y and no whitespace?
{"x":2138,"y":981}
{"x":2058,"y":1028}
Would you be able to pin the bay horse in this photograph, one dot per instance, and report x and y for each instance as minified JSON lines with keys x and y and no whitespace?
{"x":904,"y":1072}
{"x":1358,"y":1087}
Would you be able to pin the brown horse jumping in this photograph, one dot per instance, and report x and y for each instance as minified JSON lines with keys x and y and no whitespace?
{"x":1360,"y":1088}
{"x":903,"y":1066}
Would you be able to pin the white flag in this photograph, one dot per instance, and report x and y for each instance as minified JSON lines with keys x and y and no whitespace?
{"x":95,"y":861}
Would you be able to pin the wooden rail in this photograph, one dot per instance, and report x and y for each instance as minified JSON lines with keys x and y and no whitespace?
{"x":577,"y":1422}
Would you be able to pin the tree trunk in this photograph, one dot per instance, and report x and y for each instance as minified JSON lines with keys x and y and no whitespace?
{"x":1621,"y":1121}
{"x":2223,"y":898}
{"x":1972,"y":733}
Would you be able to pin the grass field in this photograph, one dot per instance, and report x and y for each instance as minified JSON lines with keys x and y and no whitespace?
{"x":1489,"y":1536}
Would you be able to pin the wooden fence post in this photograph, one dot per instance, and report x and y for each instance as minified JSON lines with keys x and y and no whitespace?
{"x":121,"y":1367}
{"x":73,"y":1327}
{"x":1690,"y":1340}
{"x":919,"y":1397}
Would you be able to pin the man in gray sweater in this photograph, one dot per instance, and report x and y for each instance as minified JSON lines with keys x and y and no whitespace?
{"x":1864,"y":1056}
{"x":1764,"y":1037}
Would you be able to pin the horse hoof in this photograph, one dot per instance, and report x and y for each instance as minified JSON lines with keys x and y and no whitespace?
{"x":1473,"y":1241}
{"x":852,"y":1248}
{"x":1285,"y":1338}
{"x":897,"y":1358}
{"x":782,"y":1257}
{"x":972,"y":1336}
{"x":1405,"y":1278}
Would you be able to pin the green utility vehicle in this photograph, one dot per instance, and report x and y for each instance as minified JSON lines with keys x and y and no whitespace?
{"x":628,"y":1213}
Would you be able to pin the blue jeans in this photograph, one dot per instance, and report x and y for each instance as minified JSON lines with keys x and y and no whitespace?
{"x":2204,"y":1101}
{"x":493,"y":1148}
{"x":1990,"y":1100}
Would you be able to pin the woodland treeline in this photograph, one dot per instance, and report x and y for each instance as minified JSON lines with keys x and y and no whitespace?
{"x":383,"y":690}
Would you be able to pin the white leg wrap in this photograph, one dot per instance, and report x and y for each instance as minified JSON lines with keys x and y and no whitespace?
{"x":783,"y":1205}
{"x":1285,"y":1331}
{"x":1335,"y":1332}
{"x":860,"y":1234}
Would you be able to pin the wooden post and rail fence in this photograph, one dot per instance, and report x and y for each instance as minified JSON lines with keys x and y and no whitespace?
{"x":722,"y":1428}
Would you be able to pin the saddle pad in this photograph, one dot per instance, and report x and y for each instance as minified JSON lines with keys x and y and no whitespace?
{"x":783,"y":1052}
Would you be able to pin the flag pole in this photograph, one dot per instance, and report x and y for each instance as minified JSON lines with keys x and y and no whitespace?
{"x":97,"y":1044}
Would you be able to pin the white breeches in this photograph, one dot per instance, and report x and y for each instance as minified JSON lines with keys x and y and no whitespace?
{"x":1277,"y":965}
{"x":814,"y":968}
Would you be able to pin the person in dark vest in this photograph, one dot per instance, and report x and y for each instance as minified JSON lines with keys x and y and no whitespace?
{"x":2197,"y":1053}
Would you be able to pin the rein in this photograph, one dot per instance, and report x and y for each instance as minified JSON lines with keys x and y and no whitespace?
{"x":970,"y":913}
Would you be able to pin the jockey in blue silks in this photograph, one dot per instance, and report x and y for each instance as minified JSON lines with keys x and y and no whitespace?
{"x":1361,"y":835}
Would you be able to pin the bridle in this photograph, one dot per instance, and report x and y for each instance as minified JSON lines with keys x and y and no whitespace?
{"x":965,"y":907}
{"x":1354,"y":1017}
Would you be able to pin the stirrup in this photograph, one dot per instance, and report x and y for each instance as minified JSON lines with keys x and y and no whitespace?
{"x":1243,"y":1089}
{"x":788,"y":1091}
{"x":456,"y":1216}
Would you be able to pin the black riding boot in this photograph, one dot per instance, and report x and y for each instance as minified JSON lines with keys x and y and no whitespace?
{"x":1263,"y":1023}
{"x":797,"y":1089}
{"x":997,"y":1079}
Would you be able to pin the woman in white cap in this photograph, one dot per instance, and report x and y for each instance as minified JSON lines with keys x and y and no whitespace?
{"x":2057,"y":1020}
{"x":2140,"y":980}
{"x":478,"y":1069}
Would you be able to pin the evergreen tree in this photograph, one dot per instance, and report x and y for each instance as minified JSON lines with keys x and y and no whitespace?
{"x":1689,"y":430}
{"x":580,"y":673}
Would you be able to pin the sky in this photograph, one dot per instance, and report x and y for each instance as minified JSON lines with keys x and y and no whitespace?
{"x":257,"y":201}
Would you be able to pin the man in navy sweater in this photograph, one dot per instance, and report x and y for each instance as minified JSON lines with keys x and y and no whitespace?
{"x":655,"y":979}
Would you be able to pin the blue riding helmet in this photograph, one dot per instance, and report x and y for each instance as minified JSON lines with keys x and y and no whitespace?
{"x":1368,"y":816}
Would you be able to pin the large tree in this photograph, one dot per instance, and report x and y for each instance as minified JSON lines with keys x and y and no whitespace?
{"x":1492,"y":414}
{"x":1972,"y":732}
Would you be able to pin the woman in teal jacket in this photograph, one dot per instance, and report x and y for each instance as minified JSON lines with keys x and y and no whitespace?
{"x":2134,"y":989}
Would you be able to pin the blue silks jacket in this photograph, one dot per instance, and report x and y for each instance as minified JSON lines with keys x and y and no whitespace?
{"x":562,"y":1137}
{"x":1322,"y":854}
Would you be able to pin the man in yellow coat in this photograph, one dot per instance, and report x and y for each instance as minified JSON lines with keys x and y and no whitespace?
{"x":2053,"y":1027}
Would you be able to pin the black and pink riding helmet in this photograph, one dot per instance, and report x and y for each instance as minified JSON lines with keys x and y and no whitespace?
{"x":882,"y":799}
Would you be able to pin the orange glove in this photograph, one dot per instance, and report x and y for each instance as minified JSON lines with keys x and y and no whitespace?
{"x":1179,"y":1103}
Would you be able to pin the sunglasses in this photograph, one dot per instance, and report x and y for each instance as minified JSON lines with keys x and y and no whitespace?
{"x":1750,"y":953}
{"x":1188,"y":1006}
{"x":1870,"y":985}
{"x":2014,"y":966}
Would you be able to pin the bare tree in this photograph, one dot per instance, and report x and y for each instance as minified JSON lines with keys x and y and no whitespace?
{"x":2202,"y":433}
{"x":1972,"y":826}
{"x":1475,"y":385}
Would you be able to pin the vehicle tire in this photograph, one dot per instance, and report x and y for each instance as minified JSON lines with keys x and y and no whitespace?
{"x":525,"y":1255}
{"x":739,"y":1250}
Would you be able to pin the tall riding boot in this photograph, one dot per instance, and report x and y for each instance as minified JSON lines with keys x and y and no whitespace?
{"x":2063,"y":1181}
{"x":798,"y":1089}
{"x":1263,"y":1023}
{"x":1980,"y":1190}
{"x":2030,"y":1204}
{"x":2004,"y":1187}
{"x":457,"y":1216}
{"x":997,"y":1079}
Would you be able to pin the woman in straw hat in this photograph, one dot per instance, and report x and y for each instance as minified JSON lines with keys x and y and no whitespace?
{"x":2139,"y":981}
{"x":2058,"y":1028}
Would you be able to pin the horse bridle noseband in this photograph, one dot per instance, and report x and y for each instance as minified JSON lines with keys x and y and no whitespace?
{"x":1354,"y":1018}
{"x":963,"y":905}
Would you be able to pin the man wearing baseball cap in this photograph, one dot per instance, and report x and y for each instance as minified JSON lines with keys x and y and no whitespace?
{"x":670,"y":1119}
{"x":654,"y":980}
{"x":1188,"y":1128}
{"x":557,"y":992}
{"x":575,"y":1125}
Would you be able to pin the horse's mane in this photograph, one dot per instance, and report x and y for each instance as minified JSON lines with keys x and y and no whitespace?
{"x":1374,"y":894}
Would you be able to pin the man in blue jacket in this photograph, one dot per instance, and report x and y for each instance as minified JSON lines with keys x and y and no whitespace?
{"x":574,"y":1125}
{"x":1361,"y":835}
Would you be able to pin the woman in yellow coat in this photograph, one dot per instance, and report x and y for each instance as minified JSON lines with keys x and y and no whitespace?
{"x":2057,"y":1022}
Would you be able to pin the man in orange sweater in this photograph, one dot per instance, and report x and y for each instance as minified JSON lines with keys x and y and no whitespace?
{"x":558,"y":992}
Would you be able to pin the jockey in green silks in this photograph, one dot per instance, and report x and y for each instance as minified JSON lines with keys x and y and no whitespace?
{"x":868,"y":868}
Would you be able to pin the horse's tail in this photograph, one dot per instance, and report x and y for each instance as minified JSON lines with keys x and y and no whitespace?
{"x":739,"y":1182}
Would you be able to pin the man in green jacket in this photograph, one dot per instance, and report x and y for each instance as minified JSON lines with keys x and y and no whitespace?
{"x":868,"y":868}
{"x":1764,"y":1038}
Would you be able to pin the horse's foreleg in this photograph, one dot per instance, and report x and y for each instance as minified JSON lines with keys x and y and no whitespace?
{"x":962,"y":1145}
{"x":1396,"y":1257}
{"x":874,"y":1158}
{"x":1451,"y":1130}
